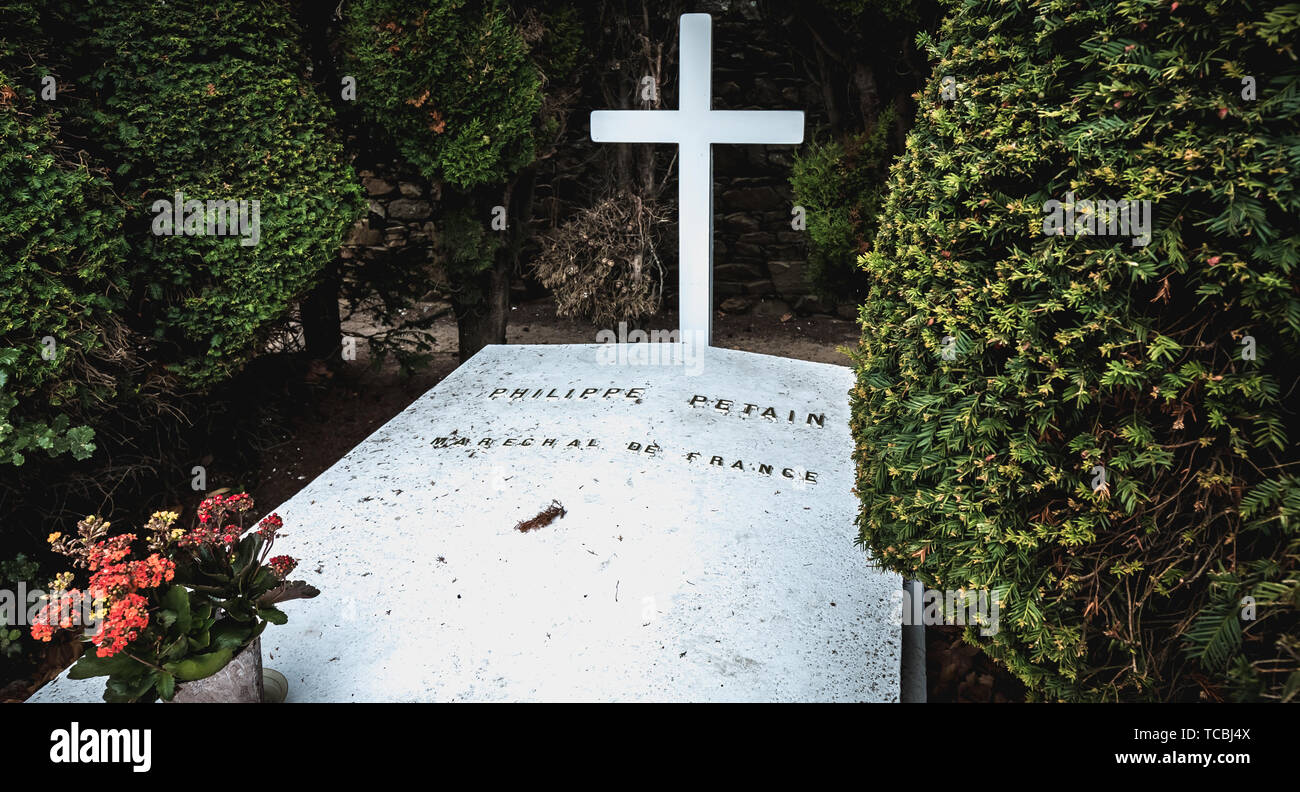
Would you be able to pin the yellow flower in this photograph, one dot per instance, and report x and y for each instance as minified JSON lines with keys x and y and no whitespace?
{"x":54,"y":537}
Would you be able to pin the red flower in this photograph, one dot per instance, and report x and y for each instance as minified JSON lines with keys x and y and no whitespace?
{"x":198,"y":537}
{"x":109,"y":551}
{"x":127,"y":618}
{"x":58,"y":614}
{"x":281,"y":566}
{"x":269,"y":525}
{"x":113,"y":579}
{"x":152,"y":572}
{"x":216,"y":507}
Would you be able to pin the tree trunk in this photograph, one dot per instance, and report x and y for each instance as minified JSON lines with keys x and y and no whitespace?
{"x":484,"y":322}
{"x":484,"y":311}
{"x":321,"y":327}
{"x":868,"y":95}
{"x":320,"y":307}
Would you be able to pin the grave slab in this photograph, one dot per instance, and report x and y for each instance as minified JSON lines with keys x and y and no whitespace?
{"x":705,"y":552}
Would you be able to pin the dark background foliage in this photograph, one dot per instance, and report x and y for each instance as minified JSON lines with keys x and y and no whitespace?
{"x":153,"y":367}
{"x":63,"y":278}
{"x":213,"y":101}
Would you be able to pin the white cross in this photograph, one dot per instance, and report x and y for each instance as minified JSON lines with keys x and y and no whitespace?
{"x":695,"y":127}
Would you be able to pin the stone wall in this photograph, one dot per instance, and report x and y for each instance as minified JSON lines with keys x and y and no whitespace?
{"x":759,"y":259}
{"x":402,"y":220}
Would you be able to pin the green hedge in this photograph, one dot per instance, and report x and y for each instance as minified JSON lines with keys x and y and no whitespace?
{"x":61,"y":263}
{"x":212,"y":99}
{"x":452,"y":86}
{"x":449,"y":82}
{"x":999,"y":367}
{"x":841,"y":187}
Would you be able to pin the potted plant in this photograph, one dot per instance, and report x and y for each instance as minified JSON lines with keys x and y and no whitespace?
{"x":183,"y":621}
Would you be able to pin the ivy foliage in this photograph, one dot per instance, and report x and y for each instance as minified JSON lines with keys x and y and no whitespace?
{"x":212,"y":100}
{"x":450,"y":82}
{"x":1000,"y":370}
{"x":61,"y":262}
{"x":452,"y":86}
{"x":841,"y":186}
{"x":863,"y":59}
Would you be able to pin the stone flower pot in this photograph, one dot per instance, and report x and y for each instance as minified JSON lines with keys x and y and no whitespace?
{"x":240,"y":682}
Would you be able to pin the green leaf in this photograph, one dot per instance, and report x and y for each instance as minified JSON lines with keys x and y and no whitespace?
{"x":273,"y":615}
{"x":177,"y":599}
{"x":230,"y":635}
{"x":290,"y":589}
{"x":119,"y":665}
{"x":200,"y":666}
{"x":120,"y":690}
{"x":166,"y":686}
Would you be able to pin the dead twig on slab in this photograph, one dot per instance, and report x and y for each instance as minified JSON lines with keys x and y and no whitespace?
{"x":545,"y":517}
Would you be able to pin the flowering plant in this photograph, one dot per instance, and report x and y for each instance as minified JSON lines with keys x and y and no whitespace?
{"x":179,"y":613}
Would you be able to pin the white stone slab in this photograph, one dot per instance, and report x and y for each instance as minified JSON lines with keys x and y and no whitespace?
{"x":669,"y":578}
